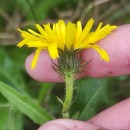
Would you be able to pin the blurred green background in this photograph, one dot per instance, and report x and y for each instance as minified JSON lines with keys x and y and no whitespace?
{"x":21,"y":96}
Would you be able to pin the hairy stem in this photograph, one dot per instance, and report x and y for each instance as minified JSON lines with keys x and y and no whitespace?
{"x":69,"y":80}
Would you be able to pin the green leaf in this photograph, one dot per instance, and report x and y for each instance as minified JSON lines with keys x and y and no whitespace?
{"x":44,"y":88}
{"x":4,"y":116}
{"x":91,"y":97}
{"x":7,"y":78}
{"x":25,"y":104}
{"x":9,"y":60}
{"x":11,"y":122}
{"x":19,"y":121}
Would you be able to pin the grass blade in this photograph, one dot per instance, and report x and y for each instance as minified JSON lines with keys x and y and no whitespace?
{"x":25,"y":104}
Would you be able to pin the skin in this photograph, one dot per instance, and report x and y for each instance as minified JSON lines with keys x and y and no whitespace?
{"x":117,"y":44}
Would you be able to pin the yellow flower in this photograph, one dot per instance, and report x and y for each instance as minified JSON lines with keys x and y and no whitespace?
{"x":61,"y":34}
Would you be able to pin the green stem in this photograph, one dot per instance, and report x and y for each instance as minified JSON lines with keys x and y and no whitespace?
{"x":69,"y":80}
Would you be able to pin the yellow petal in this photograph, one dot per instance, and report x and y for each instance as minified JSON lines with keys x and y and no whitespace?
{"x":35,"y":33}
{"x":41,"y":30}
{"x":37,"y":44}
{"x":19,"y":29}
{"x":101,"y":33}
{"x":61,"y":22}
{"x":85,"y":43}
{"x":35,"y":59}
{"x":53,"y":51}
{"x":103,"y":53}
{"x":59,"y":37}
{"x":70,"y":34}
{"x":20,"y":44}
{"x":63,"y":32}
{"x":28,"y":36}
{"x":79,"y":30}
{"x":50,"y":32}
{"x":47,"y":28}
{"x":99,"y":26}
{"x":54,"y":27}
{"x":86,"y":31}
{"x":58,"y":31}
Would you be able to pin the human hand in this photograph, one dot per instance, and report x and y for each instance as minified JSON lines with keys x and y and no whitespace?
{"x":117,"y":45}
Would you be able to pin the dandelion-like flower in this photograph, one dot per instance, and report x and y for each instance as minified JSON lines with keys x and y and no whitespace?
{"x":61,"y":34}
{"x":64,"y":42}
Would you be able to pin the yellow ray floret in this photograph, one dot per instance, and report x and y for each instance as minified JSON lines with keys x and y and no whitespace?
{"x":61,"y":34}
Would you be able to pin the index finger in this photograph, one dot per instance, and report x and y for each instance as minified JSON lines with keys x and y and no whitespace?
{"x":117,"y":44}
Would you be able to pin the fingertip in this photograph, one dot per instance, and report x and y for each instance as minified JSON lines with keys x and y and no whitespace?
{"x":116,"y":117}
{"x":43,"y":70}
{"x":53,"y":126}
{"x":117,"y":46}
{"x":69,"y":124}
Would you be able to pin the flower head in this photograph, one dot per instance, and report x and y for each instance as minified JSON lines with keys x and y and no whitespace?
{"x":62,"y":35}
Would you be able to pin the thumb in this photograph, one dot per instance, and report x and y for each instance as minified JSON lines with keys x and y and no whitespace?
{"x":68,"y":124}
